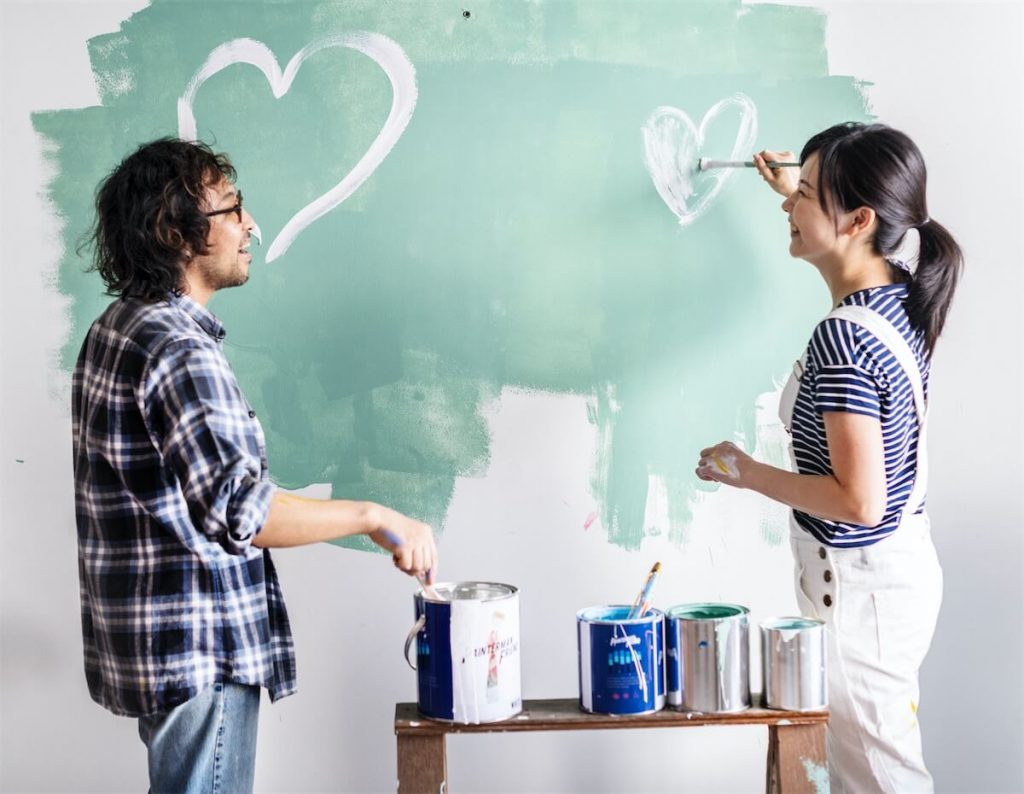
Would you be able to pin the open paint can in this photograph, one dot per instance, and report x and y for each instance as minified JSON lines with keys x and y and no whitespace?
{"x":621,"y":661}
{"x":467,"y":652}
{"x":793,"y":658}
{"x":708,"y":658}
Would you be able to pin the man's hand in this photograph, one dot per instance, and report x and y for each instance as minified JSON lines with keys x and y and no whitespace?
{"x":410,"y":542}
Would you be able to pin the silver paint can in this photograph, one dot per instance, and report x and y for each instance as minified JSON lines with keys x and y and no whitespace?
{"x":793,"y":658}
{"x":708,"y":658}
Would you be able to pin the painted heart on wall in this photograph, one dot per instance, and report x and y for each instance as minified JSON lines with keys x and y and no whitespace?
{"x":386,"y":53}
{"x":673,"y":145}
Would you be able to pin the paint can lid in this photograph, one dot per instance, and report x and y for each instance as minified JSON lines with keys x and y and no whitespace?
{"x":706,"y":611}
{"x":471,"y":591}
{"x":616,"y":613}
{"x":791,"y":624}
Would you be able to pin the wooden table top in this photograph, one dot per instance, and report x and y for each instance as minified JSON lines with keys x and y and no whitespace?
{"x":564,"y":714}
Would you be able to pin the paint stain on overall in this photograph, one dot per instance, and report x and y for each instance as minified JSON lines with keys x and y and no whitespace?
{"x":511,"y":237}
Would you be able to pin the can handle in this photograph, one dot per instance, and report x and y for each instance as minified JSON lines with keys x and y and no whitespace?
{"x":419,"y":624}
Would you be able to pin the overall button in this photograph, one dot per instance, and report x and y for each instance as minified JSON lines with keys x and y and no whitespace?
{"x":252,"y":414}
{"x":827,"y":599}
{"x":822,"y":553}
{"x":828,"y":576}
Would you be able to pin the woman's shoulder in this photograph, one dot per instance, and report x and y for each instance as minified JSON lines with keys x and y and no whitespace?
{"x":838,"y":340}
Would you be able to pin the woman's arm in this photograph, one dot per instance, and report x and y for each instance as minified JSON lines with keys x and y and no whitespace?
{"x":854,"y":494}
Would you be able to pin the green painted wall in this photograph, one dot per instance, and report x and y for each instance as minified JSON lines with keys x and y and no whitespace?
{"x":512,"y":237}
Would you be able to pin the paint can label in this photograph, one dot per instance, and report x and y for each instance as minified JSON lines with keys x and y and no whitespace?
{"x":621,"y":661}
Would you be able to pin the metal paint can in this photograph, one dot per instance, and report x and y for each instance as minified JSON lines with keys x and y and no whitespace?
{"x":793,"y":658}
{"x":621,"y":661}
{"x":708,"y":658}
{"x":467,"y":652}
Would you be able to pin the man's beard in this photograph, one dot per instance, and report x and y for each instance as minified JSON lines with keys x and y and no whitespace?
{"x":220,"y":280}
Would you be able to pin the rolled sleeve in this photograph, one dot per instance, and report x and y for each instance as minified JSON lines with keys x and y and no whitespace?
{"x":212,"y":443}
{"x":246,"y":513}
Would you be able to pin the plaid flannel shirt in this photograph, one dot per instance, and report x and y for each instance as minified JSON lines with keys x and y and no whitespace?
{"x":171,"y":487}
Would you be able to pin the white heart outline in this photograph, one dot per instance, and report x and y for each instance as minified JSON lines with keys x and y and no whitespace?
{"x":672,"y":165}
{"x":386,"y":53}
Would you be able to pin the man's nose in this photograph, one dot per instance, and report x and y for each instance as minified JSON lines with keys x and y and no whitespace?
{"x":253,"y":228}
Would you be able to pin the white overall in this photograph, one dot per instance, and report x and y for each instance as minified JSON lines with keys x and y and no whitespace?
{"x":880,"y":603}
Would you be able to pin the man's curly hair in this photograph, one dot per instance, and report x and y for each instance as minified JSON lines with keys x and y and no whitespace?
{"x":149,"y":217}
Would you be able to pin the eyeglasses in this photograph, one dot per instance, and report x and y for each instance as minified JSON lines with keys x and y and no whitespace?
{"x":237,"y":209}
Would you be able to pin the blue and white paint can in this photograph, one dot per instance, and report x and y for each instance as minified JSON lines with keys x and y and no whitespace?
{"x":793,"y":658}
{"x":708,"y":658}
{"x":467,"y":652}
{"x":621,"y":661}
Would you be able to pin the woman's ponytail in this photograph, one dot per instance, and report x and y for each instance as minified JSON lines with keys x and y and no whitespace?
{"x":939,"y":265}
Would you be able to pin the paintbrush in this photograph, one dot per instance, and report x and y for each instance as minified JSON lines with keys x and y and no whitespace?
{"x":706,"y":163}
{"x":642,"y":603}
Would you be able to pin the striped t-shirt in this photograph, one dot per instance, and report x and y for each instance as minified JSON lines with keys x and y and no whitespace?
{"x":849,"y":369}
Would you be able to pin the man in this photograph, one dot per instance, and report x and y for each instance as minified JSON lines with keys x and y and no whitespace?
{"x":182,"y":615}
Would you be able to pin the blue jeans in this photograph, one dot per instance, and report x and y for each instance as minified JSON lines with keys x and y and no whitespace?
{"x":206,"y":745}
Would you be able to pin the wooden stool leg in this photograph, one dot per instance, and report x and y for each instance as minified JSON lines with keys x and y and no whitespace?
{"x":422,"y":764}
{"x":797,"y":763}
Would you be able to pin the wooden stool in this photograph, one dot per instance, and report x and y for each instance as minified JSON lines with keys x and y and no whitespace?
{"x":796,"y":740}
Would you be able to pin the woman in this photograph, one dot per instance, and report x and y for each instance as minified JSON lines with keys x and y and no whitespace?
{"x":855,"y":408}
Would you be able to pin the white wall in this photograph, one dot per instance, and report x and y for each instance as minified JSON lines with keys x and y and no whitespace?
{"x":951,"y":75}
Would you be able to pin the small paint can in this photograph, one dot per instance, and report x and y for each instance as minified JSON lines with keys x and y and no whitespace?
{"x":621,"y":661}
{"x":793,"y":658}
{"x":708,"y":658}
{"x":467,"y":652}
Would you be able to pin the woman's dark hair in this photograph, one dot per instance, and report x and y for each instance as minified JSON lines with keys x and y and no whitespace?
{"x":872,"y":165}
{"x":149,"y":217}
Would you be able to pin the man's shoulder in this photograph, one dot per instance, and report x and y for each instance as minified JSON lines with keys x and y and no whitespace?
{"x":149,"y":327}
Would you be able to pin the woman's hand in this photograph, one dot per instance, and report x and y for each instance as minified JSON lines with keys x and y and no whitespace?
{"x":782,"y":180}
{"x":725,"y":463}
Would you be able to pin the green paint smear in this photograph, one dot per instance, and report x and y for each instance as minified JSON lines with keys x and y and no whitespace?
{"x":817,"y":776}
{"x":511,"y":238}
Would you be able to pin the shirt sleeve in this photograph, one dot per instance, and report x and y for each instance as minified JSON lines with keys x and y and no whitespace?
{"x":847,"y":377}
{"x":211,"y":442}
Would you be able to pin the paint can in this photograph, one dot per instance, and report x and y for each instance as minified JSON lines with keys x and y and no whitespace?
{"x":621,"y":661}
{"x":708,"y":658}
{"x":467,"y":652}
{"x":793,"y":658}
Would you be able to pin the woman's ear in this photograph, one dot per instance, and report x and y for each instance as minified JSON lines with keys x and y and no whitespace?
{"x":862,"y":220}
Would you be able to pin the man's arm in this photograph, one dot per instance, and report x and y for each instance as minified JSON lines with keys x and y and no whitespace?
{"x":297,"y":521}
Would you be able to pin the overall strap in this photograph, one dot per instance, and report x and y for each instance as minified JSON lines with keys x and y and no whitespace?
{"x":888,"y":335}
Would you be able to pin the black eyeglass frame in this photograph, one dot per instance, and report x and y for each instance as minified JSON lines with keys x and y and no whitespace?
{"x":237,"y":208}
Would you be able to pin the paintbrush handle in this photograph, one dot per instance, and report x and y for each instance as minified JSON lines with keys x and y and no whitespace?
{"x":706,"y":164}
{"x":645,"y":593}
